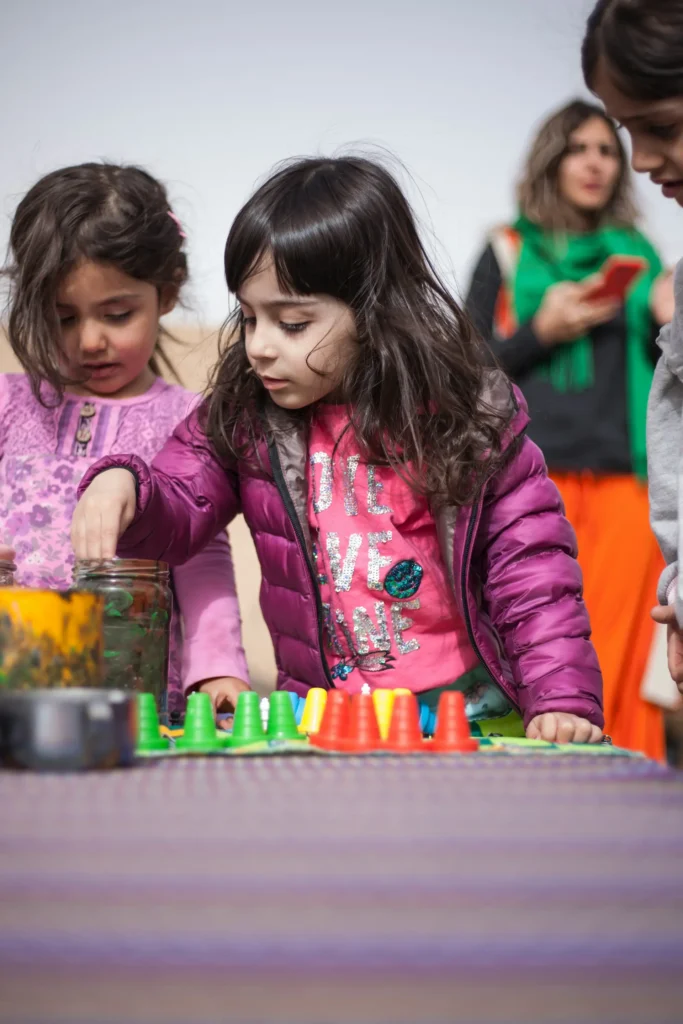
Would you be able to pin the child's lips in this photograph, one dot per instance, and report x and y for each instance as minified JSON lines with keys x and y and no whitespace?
{"x":99,"y":370}
{"x":273,"y":383}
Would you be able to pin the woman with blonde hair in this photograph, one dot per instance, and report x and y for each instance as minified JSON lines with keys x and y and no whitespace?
{"x":585,"y":367}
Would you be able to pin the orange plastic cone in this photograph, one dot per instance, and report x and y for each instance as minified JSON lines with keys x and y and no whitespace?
{"x":405,"y":734}
{"x":363,"y":733}
{"x":452,"y":733}
{"x":334,"y":725}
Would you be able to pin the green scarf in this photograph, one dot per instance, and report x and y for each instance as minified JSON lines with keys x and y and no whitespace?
{"x":546,"y":259}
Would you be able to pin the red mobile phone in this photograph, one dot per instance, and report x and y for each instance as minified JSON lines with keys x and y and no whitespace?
{"x":618,"y":273}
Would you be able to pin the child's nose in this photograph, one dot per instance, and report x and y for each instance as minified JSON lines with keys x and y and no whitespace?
{"x":259,"y":344}
{"x":92,"y":337}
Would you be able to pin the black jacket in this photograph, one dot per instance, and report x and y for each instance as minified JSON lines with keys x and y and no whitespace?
{"x":575,"y":430}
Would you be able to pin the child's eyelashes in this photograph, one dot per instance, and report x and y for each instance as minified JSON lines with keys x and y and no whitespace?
{"x":295,"y":328}
{"x":111,"y":318}
{"x":249,"y":323}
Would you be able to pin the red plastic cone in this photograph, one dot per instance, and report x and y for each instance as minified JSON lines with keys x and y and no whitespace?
{"x":452,"y":733}
{"x":363,"y":733}
{"x":334,"y":726}
{"x":405,"y":734}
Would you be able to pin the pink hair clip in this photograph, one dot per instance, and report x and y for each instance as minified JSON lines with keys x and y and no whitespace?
{"x":175,"y":219}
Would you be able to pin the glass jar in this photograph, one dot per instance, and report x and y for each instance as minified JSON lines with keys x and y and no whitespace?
{"x":7,"y":571}
{"x":50,"y":639}
{"x":137,"y":619}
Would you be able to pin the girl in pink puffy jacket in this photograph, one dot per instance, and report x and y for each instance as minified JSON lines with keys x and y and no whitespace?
{"x":407,"y":531}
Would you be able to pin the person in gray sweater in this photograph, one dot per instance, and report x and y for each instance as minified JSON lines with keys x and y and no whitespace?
{"x":632,"y":59}
{"x":665,"y":475}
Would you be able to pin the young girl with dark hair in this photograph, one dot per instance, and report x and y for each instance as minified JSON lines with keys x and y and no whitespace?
{"x":97,"y":256}
{"x":406,"y":528}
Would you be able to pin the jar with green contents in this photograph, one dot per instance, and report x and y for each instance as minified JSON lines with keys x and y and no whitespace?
{"x":137,"y":617}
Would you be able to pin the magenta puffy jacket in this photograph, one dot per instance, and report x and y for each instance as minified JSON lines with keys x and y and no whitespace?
{"x":513,"y":557}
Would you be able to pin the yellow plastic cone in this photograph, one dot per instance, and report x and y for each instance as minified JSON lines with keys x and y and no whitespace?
{"x":316,"y":699}
{"x":384,"y":706}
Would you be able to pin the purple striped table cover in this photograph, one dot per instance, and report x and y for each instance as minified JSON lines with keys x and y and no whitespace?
{"x":345,"y":890}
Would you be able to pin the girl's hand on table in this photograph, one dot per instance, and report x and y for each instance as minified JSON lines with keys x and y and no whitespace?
{"x":559,"y":727}
{"x":223,"y":692}
{"x":104,"y":512}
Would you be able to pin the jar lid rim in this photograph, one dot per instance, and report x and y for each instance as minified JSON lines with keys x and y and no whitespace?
{"x":126,"y":565}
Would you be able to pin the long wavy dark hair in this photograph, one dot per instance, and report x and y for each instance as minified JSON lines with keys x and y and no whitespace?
{"x":642,"y":44}
{"x":93,"y":211}
{"x":415,"y":391}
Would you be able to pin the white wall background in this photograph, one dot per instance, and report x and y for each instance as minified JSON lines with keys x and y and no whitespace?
{"x":209,"y":94}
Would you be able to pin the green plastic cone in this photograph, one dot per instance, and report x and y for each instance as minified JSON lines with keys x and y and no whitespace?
{"x":247,"y":728}
{"x":149,"y":737}
{"x":281,"y":721}
{"x":200,"y":735}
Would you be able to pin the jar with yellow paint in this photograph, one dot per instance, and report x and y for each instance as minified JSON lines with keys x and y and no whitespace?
{"x":137,"y":618}
{"x":49,"y":639}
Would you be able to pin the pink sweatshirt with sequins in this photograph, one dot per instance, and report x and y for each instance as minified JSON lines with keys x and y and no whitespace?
{"x":388,"y":607}
{"x":43,"y":455}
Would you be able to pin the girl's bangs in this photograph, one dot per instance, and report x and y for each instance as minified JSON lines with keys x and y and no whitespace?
{"x":313,"y":252}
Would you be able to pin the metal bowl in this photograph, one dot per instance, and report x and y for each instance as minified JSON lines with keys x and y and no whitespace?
{"x":67,"y":730}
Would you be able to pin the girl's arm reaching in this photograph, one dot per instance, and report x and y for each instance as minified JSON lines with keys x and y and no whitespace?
{"x":168,"y":511}
{"x":532,"y":586}
{"x":212,"y":639}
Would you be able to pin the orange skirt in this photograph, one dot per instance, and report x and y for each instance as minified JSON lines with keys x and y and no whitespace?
{"x":621,"y":564}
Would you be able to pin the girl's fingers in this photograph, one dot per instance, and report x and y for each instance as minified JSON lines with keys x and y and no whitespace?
{"x":95,"y":531}
{"x":548,"y":723}
{"x":93,"y":535}
{"x":582,"y":731}
{"x":110,"y":529}
{"x":567,"y":730}
{"x":563,"y":728}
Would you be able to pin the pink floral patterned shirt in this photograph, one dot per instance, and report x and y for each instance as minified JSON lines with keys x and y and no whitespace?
{"x":44,"y":452}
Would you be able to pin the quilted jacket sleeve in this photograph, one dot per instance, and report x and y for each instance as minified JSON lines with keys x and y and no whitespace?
{"x":183,"y":499}
{"x":532,"y":589}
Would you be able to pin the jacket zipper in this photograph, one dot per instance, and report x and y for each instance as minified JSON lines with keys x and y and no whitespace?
{"x":281,"y":485}
{"x":465,"y":603}
{"x":463,"y":583}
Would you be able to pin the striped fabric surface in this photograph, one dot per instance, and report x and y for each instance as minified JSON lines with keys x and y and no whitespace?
{"x":336,"y":891}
